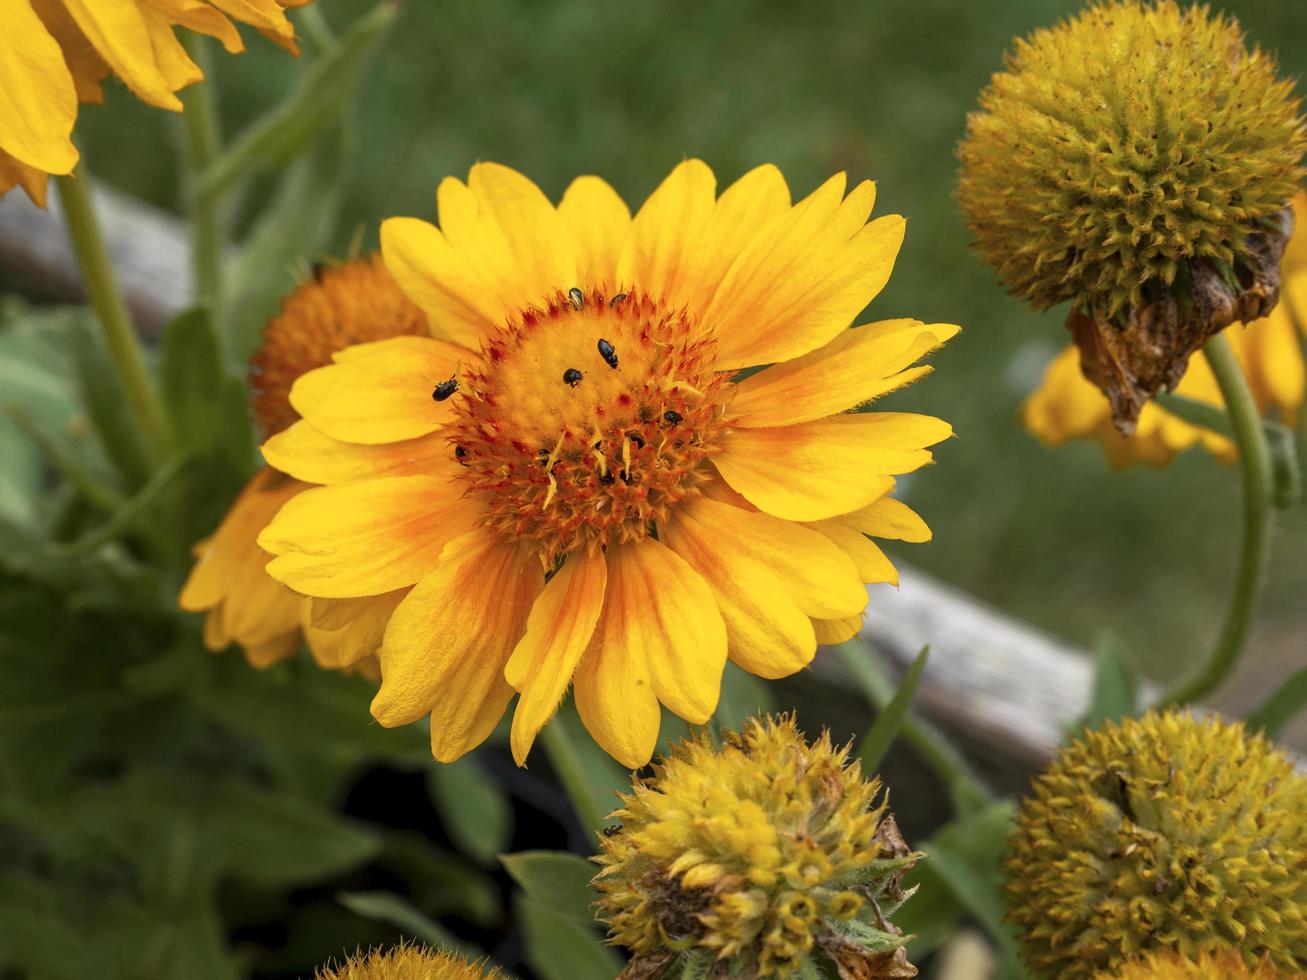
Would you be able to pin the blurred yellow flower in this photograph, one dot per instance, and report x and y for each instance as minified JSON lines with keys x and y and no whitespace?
{"x":1068,"y":406}
{"x":759,"y":857}
{"x":55,"y":53}
{"x":342,"y":305}
{"x":410,"y":962}
{"x":569,"y":475}
{"x":1224,"y":965}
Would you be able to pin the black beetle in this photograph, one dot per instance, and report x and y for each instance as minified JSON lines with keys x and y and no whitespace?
{"x":572,"y":377}
{"x":671,"y":418}
{"x":607,"y":353}
{"x":445,"y":389}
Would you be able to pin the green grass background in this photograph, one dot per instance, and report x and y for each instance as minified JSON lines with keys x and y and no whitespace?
{"x":880,"y":89}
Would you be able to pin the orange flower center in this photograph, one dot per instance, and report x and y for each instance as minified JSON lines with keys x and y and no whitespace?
{"x":586,"y":422}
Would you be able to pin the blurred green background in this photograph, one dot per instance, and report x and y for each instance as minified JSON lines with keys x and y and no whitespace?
{"x":881,"y":90}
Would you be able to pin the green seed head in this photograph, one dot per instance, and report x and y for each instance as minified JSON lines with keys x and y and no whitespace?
{"x":1161,"y":833}
{"x":1122,"y":142}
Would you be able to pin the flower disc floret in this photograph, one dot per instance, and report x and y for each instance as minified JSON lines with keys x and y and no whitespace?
{"x":410,"y":961}
{"x":1162,"y":833}
{"x":587,"y":420}
{"x":752,"y":859}
{"x":1224,"y":964}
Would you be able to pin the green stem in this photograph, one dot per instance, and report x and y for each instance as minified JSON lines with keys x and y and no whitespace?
{"x":119,"y":333}
{"x":200,"y":123}
{"x":1255,"y":464}
{"x":965,"y":790}
{"x":563,"y":756}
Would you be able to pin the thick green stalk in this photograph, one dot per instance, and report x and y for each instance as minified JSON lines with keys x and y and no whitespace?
{"x":1255,"y":464}
{"x":571,"y":771}
{"x":119,"y":332}
{"x":200,"y":125}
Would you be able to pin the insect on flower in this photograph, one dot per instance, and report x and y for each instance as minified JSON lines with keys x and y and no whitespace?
{"x":445,"y":389}
{"x":572,"y":377}
{"x":607,"y":352}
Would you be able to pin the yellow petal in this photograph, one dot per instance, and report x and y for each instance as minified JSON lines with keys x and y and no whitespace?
{"x":174,"y":64}
{"x":616,"y":701}
{"x":309,"y":455}
{"x":661,"y":608}
{"x":599,"y":221}
{"x":84,"y":62}
{"x":873,"y":565}
{"x":818,"y":576}
{"x":16,"y":174}
{"x":360,"y":539}
{"x":662,"y":253}
{"x":447,"y":643}
{"x":831,"y":631}
{"x":38,"y":103}
{"x":439,"y":279}
{"x":857,"y":366}
{"x":269,"y":652}
{"x":119,"y":33}
{"x":356,"y":638}
{"x":803,"y":280}
{"x":381,"y":391}
{"x":559,"y":629}
{"x":767,"y":633}
{"x":821,"y":469}
{"x":513,"y":247}
{"x":888,"y":518}
{"x":199,"y":16}
{"x":264,"y":15}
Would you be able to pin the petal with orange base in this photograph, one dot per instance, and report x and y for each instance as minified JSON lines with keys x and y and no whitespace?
{"x":38,"y":103}
{"x":558,"y":631}
{"x":309,"y":455}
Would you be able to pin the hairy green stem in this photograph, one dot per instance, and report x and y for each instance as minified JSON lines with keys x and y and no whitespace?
{"x":200,"y":146}
{"x":571,"y":771}
{"x":116,"y":323}
{"x":1255,"y":464}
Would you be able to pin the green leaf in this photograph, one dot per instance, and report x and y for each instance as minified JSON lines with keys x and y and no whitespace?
{"x":876,"y":743}
{"x":743,"y":696}
{"x":561,"y":948}
{"x":104,"y":402}
{"x":1282,"y":706}
{"x":325,"y":91}
{"x":473,"y":809}
{"x":296,"y":224}
{"x":270,"y":837}
{"x":558,"y":880}
{"x":1116,"y":683}
{"x":394,"y":909}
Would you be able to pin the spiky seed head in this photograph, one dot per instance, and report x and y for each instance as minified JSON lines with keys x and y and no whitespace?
{"x":756,"y":859}
{"x":1136,"y":160}
{"x":1165,"y":832}
{"x":409,"y":961}
{"x":1226,"y":964}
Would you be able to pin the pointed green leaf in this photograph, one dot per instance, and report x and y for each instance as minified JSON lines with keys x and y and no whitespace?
{"x":473,"y":809}
{"x":561,"y":948}
{"x":876,"y":743}
{"x":560,"y":881}
{"x":395,"y":909}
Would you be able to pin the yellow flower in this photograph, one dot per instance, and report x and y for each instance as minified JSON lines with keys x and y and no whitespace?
{"x":55,"y":53}
{"x":342,"y":305}
{"x":1223,"y":965}
{"x":410,"y":962}
{"x":1068,"y":406}
{"x":755,"y":856}
{"x":569,"y":474}
{"x":1161,"y":833}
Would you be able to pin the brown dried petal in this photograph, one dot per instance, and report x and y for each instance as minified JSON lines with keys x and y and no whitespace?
{"x":1131,"y":365}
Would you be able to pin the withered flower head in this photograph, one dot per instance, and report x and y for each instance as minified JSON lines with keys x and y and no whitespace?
{"x":759,"y":859}
{"x":1136,"y":160}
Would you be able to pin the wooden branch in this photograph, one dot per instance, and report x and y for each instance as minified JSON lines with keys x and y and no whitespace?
{"x":150,"y":248}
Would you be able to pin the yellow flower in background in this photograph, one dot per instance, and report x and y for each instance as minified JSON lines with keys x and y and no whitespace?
{"x":55,"y":54}
{"x":1068,"y":406}
{"x":353,"y":302}
{"x":1224,"y":965}
{"x":759,"y":857}
{"x":410,"y":962}
{"x":1166,"y":833}
{"x":569,"y":477}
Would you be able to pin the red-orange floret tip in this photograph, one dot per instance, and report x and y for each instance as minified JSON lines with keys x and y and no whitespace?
{"x":586,"y":421}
